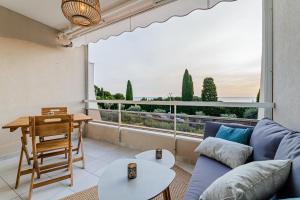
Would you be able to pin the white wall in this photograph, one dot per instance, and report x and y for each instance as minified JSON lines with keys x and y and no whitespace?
{"x":35,"y":72}
{"x":286,"y":60}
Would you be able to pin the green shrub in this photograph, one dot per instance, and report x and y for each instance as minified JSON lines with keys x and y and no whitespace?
{"x":158,"y":110}
{"x":131,"y":118}
{"x":157,"y":124}
{"x":251,"y":113}
{"x":134,"y":108}
{"x":229,"y":115}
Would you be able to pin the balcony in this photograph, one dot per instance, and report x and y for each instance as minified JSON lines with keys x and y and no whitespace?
{"x":44,"y":62}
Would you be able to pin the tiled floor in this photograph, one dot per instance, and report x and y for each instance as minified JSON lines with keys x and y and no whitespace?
{"x":98,"y":155}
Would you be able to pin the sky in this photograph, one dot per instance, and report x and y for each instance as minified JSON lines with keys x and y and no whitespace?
{"x":224,"y":43}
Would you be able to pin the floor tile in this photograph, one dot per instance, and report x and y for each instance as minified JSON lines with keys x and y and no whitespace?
{"x":64,"y":193}
{"x":6,"y":192}
{"x":98,"y":155}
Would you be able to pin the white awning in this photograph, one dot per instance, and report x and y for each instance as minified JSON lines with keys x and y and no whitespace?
{"x":138,"y":13}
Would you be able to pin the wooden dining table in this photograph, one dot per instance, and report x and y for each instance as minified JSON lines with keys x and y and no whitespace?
{"x":23,"y":124}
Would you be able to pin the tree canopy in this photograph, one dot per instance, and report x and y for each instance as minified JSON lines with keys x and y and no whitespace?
{"x":209,"y":91}
{"x":129,"y":92}
{"x":187,"y":87}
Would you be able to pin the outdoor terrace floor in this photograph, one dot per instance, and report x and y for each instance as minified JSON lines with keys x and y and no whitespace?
{"x":98,"y":155}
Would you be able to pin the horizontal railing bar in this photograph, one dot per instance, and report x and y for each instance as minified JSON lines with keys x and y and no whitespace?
{"x":178,"y":115}
{"x":168,"y":131}
{"x":188,"y":103}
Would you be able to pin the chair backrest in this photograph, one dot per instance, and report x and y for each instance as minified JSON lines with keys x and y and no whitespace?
{"x":54,"y":111}
{"x":51,"y":125}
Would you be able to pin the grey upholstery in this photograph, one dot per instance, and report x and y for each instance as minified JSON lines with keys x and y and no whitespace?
{"x":266,"y":138}
{"x":206,"y":171}
{"x":289,"y":148}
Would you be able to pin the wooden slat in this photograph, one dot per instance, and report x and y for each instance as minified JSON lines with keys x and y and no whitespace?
{"x":54,"y":180}
{"x":77,"y":159}
{"x":51,"y":129}
{"x":52,"y":145}
{"x":54,"y":169}
{"x":54,"y":111}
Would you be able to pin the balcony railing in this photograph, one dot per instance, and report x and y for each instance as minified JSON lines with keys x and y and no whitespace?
{"x":173,"y":122}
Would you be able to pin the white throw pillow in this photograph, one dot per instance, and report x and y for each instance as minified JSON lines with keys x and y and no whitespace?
{"x":254,"y":181}
{"x":232,"y":154}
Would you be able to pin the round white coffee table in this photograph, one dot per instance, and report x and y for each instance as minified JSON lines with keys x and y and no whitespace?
{"x":152,"y":179}
{"x":167,"y":157}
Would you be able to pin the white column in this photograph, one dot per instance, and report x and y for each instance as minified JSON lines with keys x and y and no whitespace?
{"x":91,"y":91}
{"x":266,"y":87}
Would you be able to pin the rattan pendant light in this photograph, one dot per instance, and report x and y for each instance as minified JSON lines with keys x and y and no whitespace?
{"x":82,"y":12}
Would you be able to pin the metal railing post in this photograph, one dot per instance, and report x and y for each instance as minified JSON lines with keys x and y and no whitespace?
{"x":119,"y":120}
{"x":175,"y":127}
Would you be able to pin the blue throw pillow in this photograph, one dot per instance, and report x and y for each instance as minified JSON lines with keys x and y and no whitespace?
{"x":239,"y":135}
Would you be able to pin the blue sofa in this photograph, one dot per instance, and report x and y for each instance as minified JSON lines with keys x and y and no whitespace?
{"x":265,"y":140}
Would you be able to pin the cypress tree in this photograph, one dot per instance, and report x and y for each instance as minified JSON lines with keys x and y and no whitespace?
{"x":129,"y":92}
{"x":187,"y":87}
{"x":209,"y":91}
{"x":258,"y":96}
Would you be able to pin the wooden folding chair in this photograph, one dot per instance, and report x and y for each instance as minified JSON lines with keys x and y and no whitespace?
{"x":46,"y":126}
{"x":64,"y":111}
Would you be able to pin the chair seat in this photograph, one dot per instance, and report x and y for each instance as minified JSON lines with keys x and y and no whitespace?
{"x":52,"y":145}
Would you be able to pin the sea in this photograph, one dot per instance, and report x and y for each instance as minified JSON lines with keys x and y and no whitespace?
{"x":224,"y":99}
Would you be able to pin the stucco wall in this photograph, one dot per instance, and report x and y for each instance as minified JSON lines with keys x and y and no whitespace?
{"x":35,"y":72}
{"x":286,"y":59}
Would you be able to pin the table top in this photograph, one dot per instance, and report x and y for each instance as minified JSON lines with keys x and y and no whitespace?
{"x":24,"y":121}
{"x":167,"y":157}
{"x":151,"y":180}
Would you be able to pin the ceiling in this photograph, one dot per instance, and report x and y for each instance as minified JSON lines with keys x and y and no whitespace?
{"x":49,"y":12}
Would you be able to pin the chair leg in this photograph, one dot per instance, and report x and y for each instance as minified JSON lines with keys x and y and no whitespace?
{"x":70,"y":161}
{"x":66,"y":150}
{"x":31,"y":184}
{"x":19,"y":169}
{"x":79,"y":141}
{"x":82,"y":151}
{"x":36,"y":166}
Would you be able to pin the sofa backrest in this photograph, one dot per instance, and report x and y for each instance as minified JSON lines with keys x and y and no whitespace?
{"x":289,"y":148}
{"x":211,"y":128}
{"x":266,"y":138}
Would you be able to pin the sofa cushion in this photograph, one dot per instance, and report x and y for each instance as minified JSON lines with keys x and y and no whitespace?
{"x":255,"y":180}
{"x":266,"y":138}
{"x":239,"y":135}
{"x":205,"y":173}
{"x":211,"y":128}
{"x":232,"y":154}
{"x":289,"y":148}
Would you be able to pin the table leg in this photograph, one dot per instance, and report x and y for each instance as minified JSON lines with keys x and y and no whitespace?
{"x":19,"y":169}
{"x":24,"y":144}
{"x":80,"y":145}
